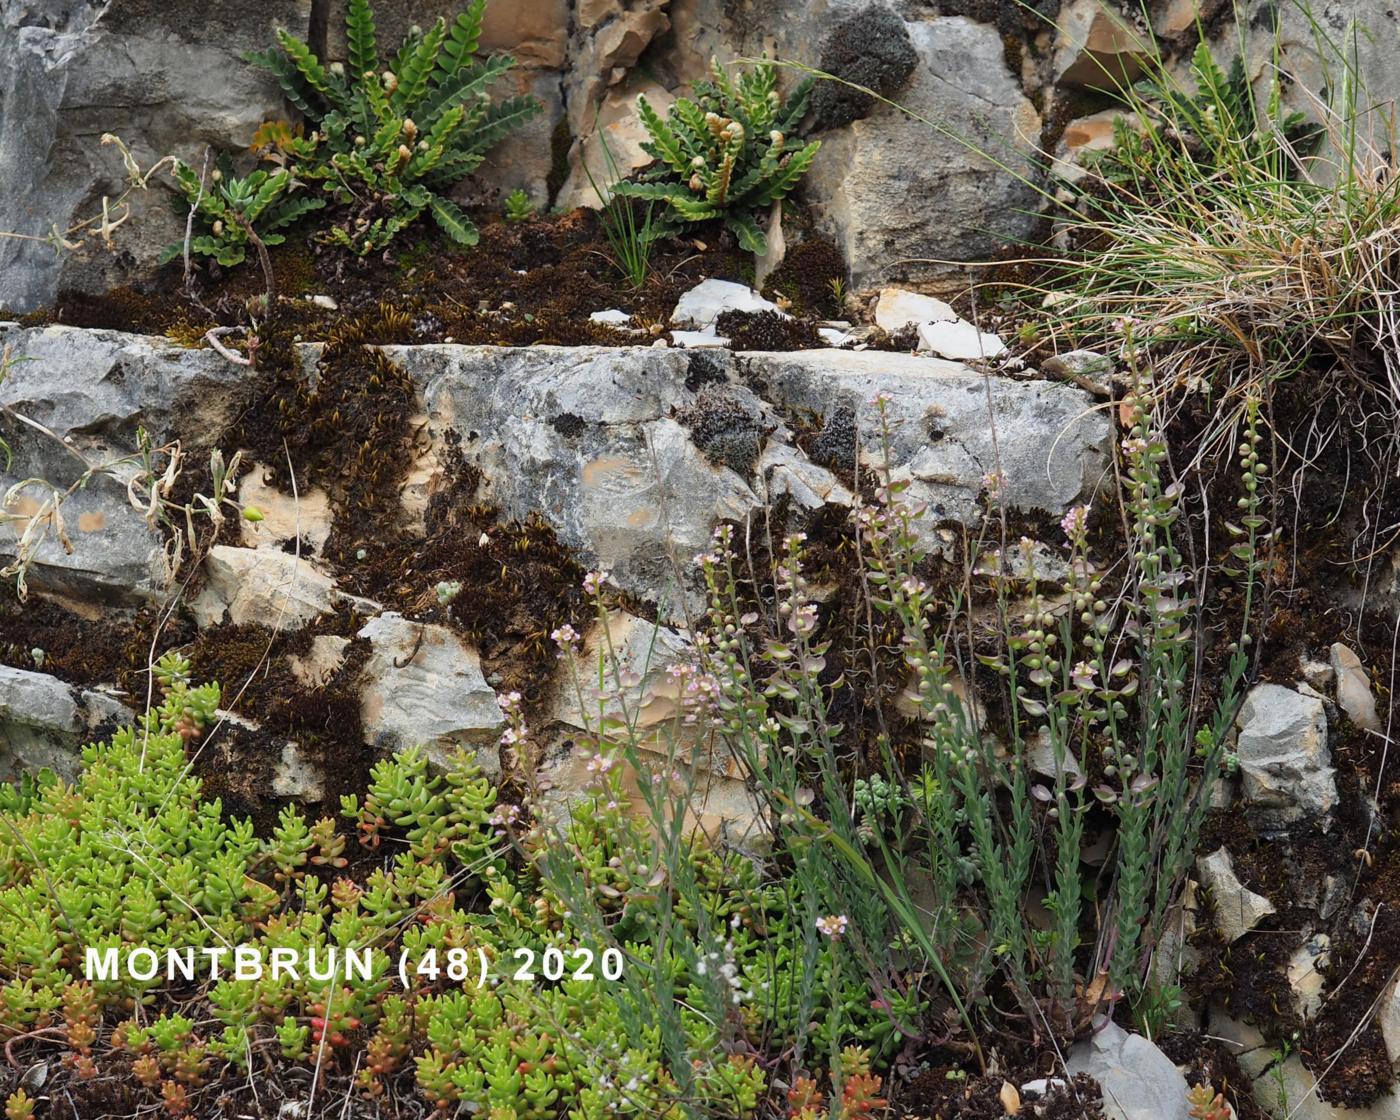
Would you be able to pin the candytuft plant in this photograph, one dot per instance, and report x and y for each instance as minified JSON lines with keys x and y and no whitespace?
{"x":237,"y":212}
{"x":390,"y":141}
{"x":728,"y":154}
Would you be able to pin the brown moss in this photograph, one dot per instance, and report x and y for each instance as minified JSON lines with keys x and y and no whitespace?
{"x":808,"y":277}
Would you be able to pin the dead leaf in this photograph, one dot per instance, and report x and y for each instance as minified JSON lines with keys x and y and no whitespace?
{"x":1010,"y":1098}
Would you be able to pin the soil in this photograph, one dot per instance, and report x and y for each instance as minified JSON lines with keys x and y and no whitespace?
{"x":526,"y":283}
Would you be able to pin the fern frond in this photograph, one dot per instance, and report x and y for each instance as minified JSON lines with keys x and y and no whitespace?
{"x":463,"y":38}
{"x":360,"y":39}
{"x":666,"y":146}
{"x":453,"y":222}
{"x":417,"y":69}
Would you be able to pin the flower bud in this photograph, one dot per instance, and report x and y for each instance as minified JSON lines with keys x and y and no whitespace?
{"x":410,"y":130}
{"x":697,"y":183}
{"x":776,"y":138}
{"x":218,"y":228}
{"x":391,"y":81}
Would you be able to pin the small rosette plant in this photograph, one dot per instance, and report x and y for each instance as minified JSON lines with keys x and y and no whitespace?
{"x":729,"y":154}
{"x":234,"y":213}
{"x":389,"y":142}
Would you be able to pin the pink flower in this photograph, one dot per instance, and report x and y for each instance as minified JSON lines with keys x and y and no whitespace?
{"x":1075,"y":522}
{"x":833,"y":926}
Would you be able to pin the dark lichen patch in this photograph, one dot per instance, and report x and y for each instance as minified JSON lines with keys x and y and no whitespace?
{"x":569,"y":425}
{"x":767,"y":330}
{"x":811,"y":275}
{"x":703,"y":369}
{"x":835,"y":445}
{"x":724,"y":430}
{"x":872,"y":49}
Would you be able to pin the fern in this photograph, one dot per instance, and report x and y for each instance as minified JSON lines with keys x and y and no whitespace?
{"x":727,"y":154}
{"x":389,"y":144}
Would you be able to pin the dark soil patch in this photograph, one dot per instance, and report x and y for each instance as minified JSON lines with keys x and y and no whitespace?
{"x":935,"y":1096}
{"x":526,"y":283}
{"x":810,"y":276}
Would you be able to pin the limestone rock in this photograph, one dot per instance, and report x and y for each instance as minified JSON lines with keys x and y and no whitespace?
{"x":320,"y":662}
{"x":959,"y":340}
{"x":631,"y":491}
{"x":709,"y":299}
{"x":1354,"y":694}
{"x":1088,"y":369}
{"x":720,"y":807}
{"x":1139,"y":1082}
{"x":866,"y":173}
{"x":297,"y":776}
{"x":897,"y":308}
{"x":45,"y":722}
{"x":285,"y":518}
{"x":168,"y":79}
{"x":1305,"y":974}
{"x":941,"y":437}
{"x":1284,"y":759}
{"x":1237,"y":908}
{"x":1389,"y":1018}
{"x":423,"y":687}
{"x":92,"y":390}
{"x":615,"y":132}
{"x":1097,"y":49}
{"x":262,"y":586}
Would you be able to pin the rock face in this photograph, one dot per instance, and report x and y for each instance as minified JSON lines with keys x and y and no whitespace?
{"x":92,"y":390}
{"x":634,"y":456}
{"x":1284,"y":758}
{"x":44,"y":723}
{"x":169,"y":79}
{"x":1237,"y":908}
{"x":1354,"y":694}
{"x":425,"y":688}
{"x":262,"y":586}
{"x":1139,"y":1082}
{"x":867,"y":174}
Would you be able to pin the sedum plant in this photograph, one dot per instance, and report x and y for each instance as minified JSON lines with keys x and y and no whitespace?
{"x":729,"y":154}
{"x":393,"y":135}
{"x":235,"y":213}
{"x":132,"y":856}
